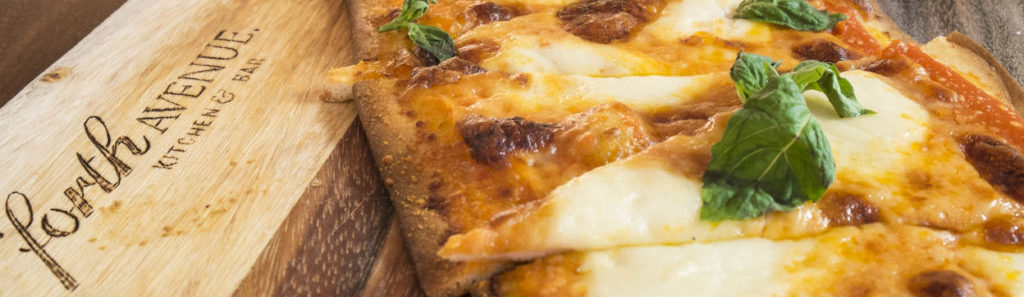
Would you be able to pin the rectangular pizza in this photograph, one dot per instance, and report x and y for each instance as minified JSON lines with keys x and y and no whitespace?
{"x":690,"y":148}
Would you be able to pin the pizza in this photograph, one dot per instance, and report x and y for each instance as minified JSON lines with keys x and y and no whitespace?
{"x":689,"y":148}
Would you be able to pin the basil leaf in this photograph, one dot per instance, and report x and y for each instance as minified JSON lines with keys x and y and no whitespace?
{"x":750,"y":72}
{"x":432,"y":39}
{"x":825,"y":77}
{"x":435,"y":41}
{"x":773,"y":156}
{"x":796,"y":14}
{"x":411,"y":11}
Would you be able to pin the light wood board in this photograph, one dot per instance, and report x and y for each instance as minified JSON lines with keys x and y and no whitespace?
{"x":162,"y":153}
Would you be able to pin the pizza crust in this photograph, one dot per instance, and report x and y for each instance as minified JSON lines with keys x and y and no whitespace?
{"x":390,"y":136}
{"x":1013,"y":92}
{"x":363,"y":29}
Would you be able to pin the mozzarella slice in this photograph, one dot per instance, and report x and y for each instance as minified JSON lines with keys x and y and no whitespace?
{"x":871,"y":145}
{"x":741,"y":268}
{"x":883,"y":260}
{"x":642,"y":200}
{"x":682,"y":19}
{"x":578,"y":92}
{"x":539,"y":45}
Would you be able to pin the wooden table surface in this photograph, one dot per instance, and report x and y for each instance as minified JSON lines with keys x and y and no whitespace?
{"x":340,"y":239}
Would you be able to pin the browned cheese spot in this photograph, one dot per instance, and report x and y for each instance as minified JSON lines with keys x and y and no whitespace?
{"x":491,"y":140}
{"x":692,"y":41}
{"x":604,"y":21}
{"x":449,"y":71}
{"x":941,"y":283}
{"x":602,"y":28}
{"x":886,"y":67}
{"x":847,"y":209}
{"x":476,"y":50}
{"x":424,"y":56}
{"x":1004,"y":231}
{"x":825,"y":51}
{"x":936,"y":90}
{"x":488,"y":12}
{"x":404,"y":60}
{"x":920,"y":180}
{"x":998,"y":163}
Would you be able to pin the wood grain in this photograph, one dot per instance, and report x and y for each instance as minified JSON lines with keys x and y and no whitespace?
{"x":339,"y":238}
{"x":160,"y":154}
{"x":996,"y":24}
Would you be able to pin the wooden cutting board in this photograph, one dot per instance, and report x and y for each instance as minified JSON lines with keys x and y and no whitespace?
{"x":274,"y":193}
{"x":175,"y":151}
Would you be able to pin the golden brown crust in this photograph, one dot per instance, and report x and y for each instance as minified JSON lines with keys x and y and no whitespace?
{"x":391,"y":136}
{"x":364,"y":31}
{"x":1016,"y":92}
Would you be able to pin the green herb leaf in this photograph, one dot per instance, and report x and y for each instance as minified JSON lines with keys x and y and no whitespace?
{"x":825,"y":77}
{"x":411,"y":11}
{"x":796,"y":14}
{"x":435,"y":41}
{"x":432,"y":39}
{"x":750,"y":72}
{"x":772,"y":156}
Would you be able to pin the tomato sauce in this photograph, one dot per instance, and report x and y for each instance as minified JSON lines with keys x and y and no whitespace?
{"x":851,"y":30}
{"x":975,"y":106}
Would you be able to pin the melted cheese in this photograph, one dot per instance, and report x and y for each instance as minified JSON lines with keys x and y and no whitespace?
{"x":538,"y":44}
{"x":842,"y":262}
{"x":739,"y":268}
{"x":682,"y":19}
{"x":637,"y":201}
{"x":1004,"y":271}
{"x":641,"y":93}
{"x":871,"y":144}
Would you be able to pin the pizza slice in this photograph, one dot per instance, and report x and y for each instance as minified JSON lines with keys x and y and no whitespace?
{"x":515,"y":129}
{"x":871,"y":260}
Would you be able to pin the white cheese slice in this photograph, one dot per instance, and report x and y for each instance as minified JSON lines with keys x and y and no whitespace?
{"x":682,"y":19}
{"x":741,"y":268}
{"x":876,"y":144}
{"x":564,"y":53}
{"x":579,"y":92}
{"x":640,"y":200}
{"x":877,"y":258}
{"x":538,"y":44}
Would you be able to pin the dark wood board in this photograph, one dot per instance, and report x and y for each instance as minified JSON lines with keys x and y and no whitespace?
{"x":340,"y":240}
{"x":33,"y":34}
{"x":996,"y":24}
